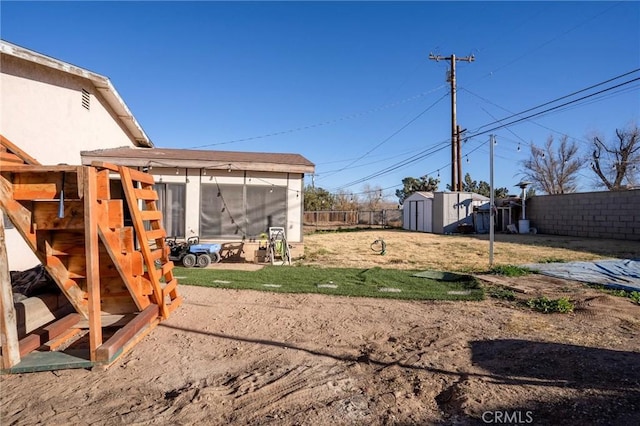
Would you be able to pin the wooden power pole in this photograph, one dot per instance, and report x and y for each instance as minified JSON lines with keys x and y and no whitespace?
{"x":456,"y":149}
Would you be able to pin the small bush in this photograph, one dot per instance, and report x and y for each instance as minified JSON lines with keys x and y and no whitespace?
{"x":543,"y":304}
{"x":635,"y":296}
{"x":510,"y":270}
{"x":501,"y":293}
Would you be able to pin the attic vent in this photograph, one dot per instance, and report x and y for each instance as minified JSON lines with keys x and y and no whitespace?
{"x":85,"y":99}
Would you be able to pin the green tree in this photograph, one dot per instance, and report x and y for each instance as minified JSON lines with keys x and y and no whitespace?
{"x":554,"y":171}
{"x":317,"y":199}
{"x":411,"y":185}
{"x":617,"y":164}
{"x":482,"y":188}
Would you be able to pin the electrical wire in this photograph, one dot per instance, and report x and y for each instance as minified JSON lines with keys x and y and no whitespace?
{"x":328,"y":122}
{"x":391,"y":136}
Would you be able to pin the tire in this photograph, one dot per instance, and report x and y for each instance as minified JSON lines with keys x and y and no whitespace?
{"x":204,"y":260}
{"x":189,"y":260}
{"x":215,"y":257}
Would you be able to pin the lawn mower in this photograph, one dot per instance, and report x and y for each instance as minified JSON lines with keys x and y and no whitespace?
{"x":191,"y":253}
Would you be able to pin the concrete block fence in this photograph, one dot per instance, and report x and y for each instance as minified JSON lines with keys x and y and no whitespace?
{"x":614,"y":215}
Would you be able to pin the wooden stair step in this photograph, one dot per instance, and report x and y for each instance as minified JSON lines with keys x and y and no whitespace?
{"x":145,"y":194}
{"x":151,"y":215}
{"x":156,"y":234}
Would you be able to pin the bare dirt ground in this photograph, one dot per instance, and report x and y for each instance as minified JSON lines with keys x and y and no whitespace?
{"x":253,"y":358}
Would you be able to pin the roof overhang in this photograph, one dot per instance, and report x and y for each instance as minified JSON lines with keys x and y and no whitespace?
{"x":101,"y":83}
{"x":210,"y":160}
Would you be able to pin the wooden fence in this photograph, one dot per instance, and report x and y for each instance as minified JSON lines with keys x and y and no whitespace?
{"x":327,"y":219}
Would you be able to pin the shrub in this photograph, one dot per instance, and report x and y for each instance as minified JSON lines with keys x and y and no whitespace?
{"x":501,"y":293}
{"x":543,"y":304}
{"x":510,"y":270}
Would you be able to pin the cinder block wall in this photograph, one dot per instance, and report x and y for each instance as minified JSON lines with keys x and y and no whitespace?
{"x":607,"y":214}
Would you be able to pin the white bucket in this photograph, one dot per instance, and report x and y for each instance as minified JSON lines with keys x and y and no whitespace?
{"x":523,"y":226}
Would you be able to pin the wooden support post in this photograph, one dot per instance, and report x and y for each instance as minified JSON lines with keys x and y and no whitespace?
{"x":8,"y":329}
{"x":89,"y":178}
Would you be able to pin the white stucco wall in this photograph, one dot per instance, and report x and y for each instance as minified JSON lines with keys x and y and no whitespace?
{"x":41,"y":112}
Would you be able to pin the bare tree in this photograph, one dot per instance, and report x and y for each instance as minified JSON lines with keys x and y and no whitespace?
{"x":554,"y":172}
{"x":371,"y":196}
{"x":617,"y":163}
{"x":346,"y":201}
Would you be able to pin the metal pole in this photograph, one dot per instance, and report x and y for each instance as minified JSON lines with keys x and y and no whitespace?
{"x":491,"y":200}
{"x":459,"y":158}
{"x":454,"y":147}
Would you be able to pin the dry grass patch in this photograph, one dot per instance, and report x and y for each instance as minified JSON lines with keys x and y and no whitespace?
{"x":468,"y":253}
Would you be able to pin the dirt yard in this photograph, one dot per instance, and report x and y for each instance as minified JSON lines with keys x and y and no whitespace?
{"x":229,"y":357}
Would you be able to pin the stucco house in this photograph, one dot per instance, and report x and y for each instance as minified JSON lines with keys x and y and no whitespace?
{"x":60,"y":113}
{"x":52,"y":110}
{"x":222,"y":196}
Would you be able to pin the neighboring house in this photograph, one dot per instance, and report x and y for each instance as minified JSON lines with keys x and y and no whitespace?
{"x":222,"y":196}
{"x":52,"y":110}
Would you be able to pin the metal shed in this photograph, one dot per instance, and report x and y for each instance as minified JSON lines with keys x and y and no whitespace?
{"x":417,"y":212}
{"x":453,"y":209}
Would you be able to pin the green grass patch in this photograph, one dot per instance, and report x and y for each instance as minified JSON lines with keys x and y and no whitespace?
{"x":552,"y":260}
{"x":355,"y":282}
{"x":510,"y":270}
{"x":543,"y":304}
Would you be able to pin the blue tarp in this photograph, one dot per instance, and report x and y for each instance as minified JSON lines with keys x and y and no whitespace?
{"x":615,"y":273}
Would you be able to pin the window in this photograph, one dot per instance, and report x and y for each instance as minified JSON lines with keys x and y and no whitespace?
{"x":266,"y":207}
{"x":171,"y":202}
{"x":236,"y":211}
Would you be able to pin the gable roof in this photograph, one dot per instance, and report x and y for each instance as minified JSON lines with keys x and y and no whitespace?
{"x":191,"y":158}
{"x":101,"y":83}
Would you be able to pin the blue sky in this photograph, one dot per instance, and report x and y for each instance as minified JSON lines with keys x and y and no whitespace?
{"x":349,"y":85}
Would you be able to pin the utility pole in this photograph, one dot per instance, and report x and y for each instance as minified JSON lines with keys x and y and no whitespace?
{"x":456,"y":167}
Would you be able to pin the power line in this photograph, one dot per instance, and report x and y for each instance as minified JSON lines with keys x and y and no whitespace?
{"x":390,"y":136}
{"x":551,"y":109}
{"x":561,"y":98}
{"x":325,"y":123}
{"x":427,"y":153}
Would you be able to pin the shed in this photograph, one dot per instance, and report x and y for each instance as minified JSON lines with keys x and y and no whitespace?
{"x":417,"y":212}
{"x":451,"y":210}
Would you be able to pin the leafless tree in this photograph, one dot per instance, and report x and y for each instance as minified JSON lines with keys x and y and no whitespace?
{"x":345,"y":201}
{"x":553,"y":171}
{"x":371,"y":196}
{"x":617,"y":163}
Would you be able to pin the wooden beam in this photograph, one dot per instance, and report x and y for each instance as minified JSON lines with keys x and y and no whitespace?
{"x":45,"y":215}
{"x":13,"y":148}
{"x":120,"y":338}
{"x":91,"y":244}
{"x":8,"y":329}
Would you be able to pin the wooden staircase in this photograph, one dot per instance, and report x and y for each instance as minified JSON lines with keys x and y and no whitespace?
{"x":76,"y":229}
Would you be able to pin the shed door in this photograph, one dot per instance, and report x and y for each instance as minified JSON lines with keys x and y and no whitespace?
{"x":416,"y":215}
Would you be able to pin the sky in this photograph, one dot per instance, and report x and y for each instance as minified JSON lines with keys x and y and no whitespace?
{"x":349,"y":85}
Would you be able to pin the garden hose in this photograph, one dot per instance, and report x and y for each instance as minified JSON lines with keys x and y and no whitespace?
{"x":379,"y":246}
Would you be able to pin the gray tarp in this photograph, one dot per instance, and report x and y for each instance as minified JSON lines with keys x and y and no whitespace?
{"x":615,"y":273}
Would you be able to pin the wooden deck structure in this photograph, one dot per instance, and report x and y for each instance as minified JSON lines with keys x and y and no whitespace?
{"x":109,"y":272}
